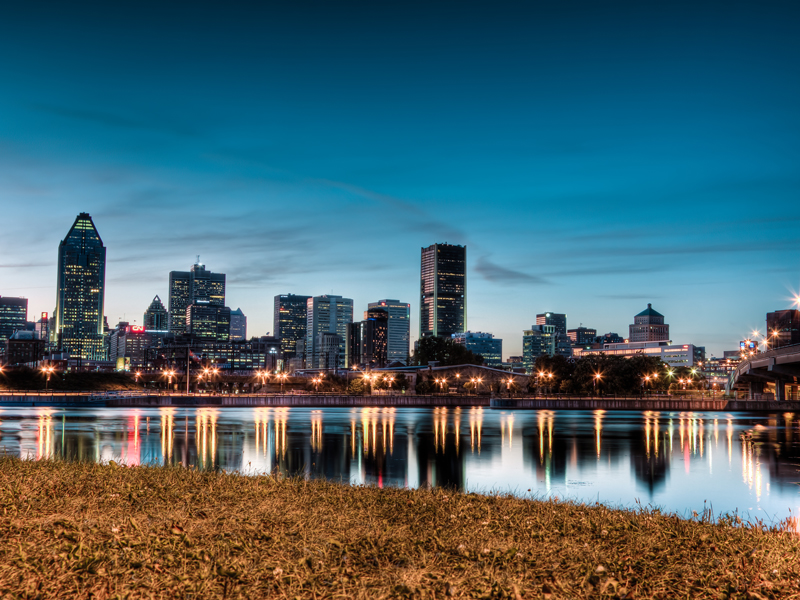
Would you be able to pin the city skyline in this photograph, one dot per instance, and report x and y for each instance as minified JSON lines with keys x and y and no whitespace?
{"x":585,"y":178}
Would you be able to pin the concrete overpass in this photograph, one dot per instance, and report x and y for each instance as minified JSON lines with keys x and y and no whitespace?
{"x":775,"y":372}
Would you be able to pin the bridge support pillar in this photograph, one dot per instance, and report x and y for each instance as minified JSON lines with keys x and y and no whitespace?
{"x":780,"y":391}
{"x":756,"y":387}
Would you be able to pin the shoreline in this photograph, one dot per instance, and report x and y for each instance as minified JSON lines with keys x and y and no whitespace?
{"x":89,"y":530}
{"x":128,"y":400}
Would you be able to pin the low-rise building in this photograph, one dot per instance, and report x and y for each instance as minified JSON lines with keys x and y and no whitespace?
{"x":675,"y":355}
{"x":485,"y":344}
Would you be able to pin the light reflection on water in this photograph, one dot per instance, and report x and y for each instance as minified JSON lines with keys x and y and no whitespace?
{"x":678,"y":461}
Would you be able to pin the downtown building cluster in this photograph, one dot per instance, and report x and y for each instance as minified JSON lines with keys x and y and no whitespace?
{"x":309,"y":332}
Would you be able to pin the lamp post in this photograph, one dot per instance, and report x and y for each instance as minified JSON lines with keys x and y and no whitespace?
{"x":48,"y":370}
{"x":282,"y":377}
{"x":597,"y":378}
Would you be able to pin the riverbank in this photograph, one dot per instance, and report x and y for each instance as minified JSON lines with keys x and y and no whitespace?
{"x":138,"y":400}
{"x":85,"y":530}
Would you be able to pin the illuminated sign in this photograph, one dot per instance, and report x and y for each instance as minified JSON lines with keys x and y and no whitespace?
{"x":136,"y":329}
{"x":748,"y":345}
{"x":44,"y":316}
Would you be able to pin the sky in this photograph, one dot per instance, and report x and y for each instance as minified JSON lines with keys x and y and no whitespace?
{"x":593,"y":157}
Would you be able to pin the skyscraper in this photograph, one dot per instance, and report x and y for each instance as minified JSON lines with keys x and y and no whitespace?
{"x":537,"y":341}
{"x":327,"y":314}
{"x":563,"y":345}
{"x":289,"y":322}
{"x":399,"y":329}
{"x":648,"y":326}
{"x":443,"y":290}
{"x":189,"y":287}
{"x":155,"y":317}
{"x":368,"y":339}
{"x":81,"y":291}
{"x":238,"y":325}
{"x":13,"y":317}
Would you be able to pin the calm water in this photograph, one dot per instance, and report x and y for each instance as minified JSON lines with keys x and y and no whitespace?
{"x":677,"y":461}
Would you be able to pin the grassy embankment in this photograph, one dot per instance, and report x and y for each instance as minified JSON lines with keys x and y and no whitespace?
{"x":29,"y":379}
{"x":84,"y":530}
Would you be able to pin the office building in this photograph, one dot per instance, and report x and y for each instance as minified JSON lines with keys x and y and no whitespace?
{"x":675,"y":355}
{"x":368,"y":340}
{"x":327,"y":314}
{"x":23,"y":348}
{"x":485,"y":344}
{"x":582,"y":336}
{"x":539,"y":340}
{"x":329,"y":350}
{"x":783,"y":328}
{"x":238,"y":325}
{"x":192,"y":287}
{"x":80,"y":291}
{"x":557,"y":320}
{"x":156,"y":317}
{"x":13,"y":317}
{"x":399,"y":329}
{"x":648,"y":326}
{"x":289,"y":323}
{"x":443,"y":291}
{"x":127,"y":345}
{"x":42,"y":328}
{"x":236,"y":357}
{"x":206,"y":321}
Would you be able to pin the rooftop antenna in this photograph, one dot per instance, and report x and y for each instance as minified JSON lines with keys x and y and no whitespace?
{"x":198,"y":260}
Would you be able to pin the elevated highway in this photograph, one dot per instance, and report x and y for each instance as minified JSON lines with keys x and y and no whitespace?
{"x":758,"y":376}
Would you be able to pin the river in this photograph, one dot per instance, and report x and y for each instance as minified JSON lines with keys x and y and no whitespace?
{"x":680,"y":462}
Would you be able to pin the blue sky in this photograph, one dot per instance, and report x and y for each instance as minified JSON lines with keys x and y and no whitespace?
{"x":593,"y":156}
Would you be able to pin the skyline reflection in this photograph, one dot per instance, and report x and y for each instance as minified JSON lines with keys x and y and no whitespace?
{"x":672,"y":460}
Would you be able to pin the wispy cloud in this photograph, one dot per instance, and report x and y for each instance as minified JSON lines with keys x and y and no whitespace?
{"x":114,"y":120}
{"x":497,"y":274}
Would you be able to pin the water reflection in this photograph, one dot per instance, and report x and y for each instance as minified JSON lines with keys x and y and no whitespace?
{"x":673,"y":460}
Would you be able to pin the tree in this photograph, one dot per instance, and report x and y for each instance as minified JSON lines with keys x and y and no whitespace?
{"x":445,"y":351}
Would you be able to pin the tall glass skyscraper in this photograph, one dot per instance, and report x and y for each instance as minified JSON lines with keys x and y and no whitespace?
{"x":399,"y":328}
{"x":197,"y":286}
{"x":81,"y":291}
{"x":289,"y":322}
{"x":327,"y":314}
{"x":443,"y":291}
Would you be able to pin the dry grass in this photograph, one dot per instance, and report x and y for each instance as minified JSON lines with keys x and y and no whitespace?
{"x":83,"y":530}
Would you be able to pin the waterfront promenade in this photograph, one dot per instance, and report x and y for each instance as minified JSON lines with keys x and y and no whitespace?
{"x":136,"y":399}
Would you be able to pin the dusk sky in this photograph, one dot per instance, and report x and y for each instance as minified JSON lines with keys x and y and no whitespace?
{"x":593,"y":156}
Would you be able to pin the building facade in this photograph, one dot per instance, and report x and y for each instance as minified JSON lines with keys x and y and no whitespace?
{"x":537,"y":341}
{"x":80,"y":291}
{"x":23,"y":348}
{"x":648,"y":326}
{"x":191,"y":287}
{"x":368,"y":340}
{"x":582,"y":336}
{"x":783,"y":328}
{"x":208,"y":322}
{"x":289,"y":323}
{"x":156,"y":316}
{"x":443,"y":291}
{"x":238,"y":325}
{"x":675,"y":355}
{"x":13,"y":317}
{"x":327,"y":314}
{"x":485,"y":344}
{"x":399,"y":329}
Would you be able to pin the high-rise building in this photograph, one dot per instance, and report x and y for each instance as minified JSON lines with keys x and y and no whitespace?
{"x":208,"y":322}
{"x":443,"y":290}
{"x":557,"y":320}
{"x":330,"y":314}
{"x":81,"y":291}
{"x":537,"y":341}
{"x":582,"y":336}
{"x":368,"y":339}
{"x":156,"y":317}
{"x":563,"y":345}
{"x":238,"y":325}
{"x":648,"y":326}
{"x":190,"y":287}
{"x":289,"y":322}
{"x":13,"y":317}
{"x":399,"y":329}
{"x":485,"y":344}
{"x":783,"y":328}
{"x":42,"y":328}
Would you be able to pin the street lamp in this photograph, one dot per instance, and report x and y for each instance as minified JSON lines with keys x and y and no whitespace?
{"x":597,"y":378}
{"x":282,"y":377}
{"x":48,"y":370}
